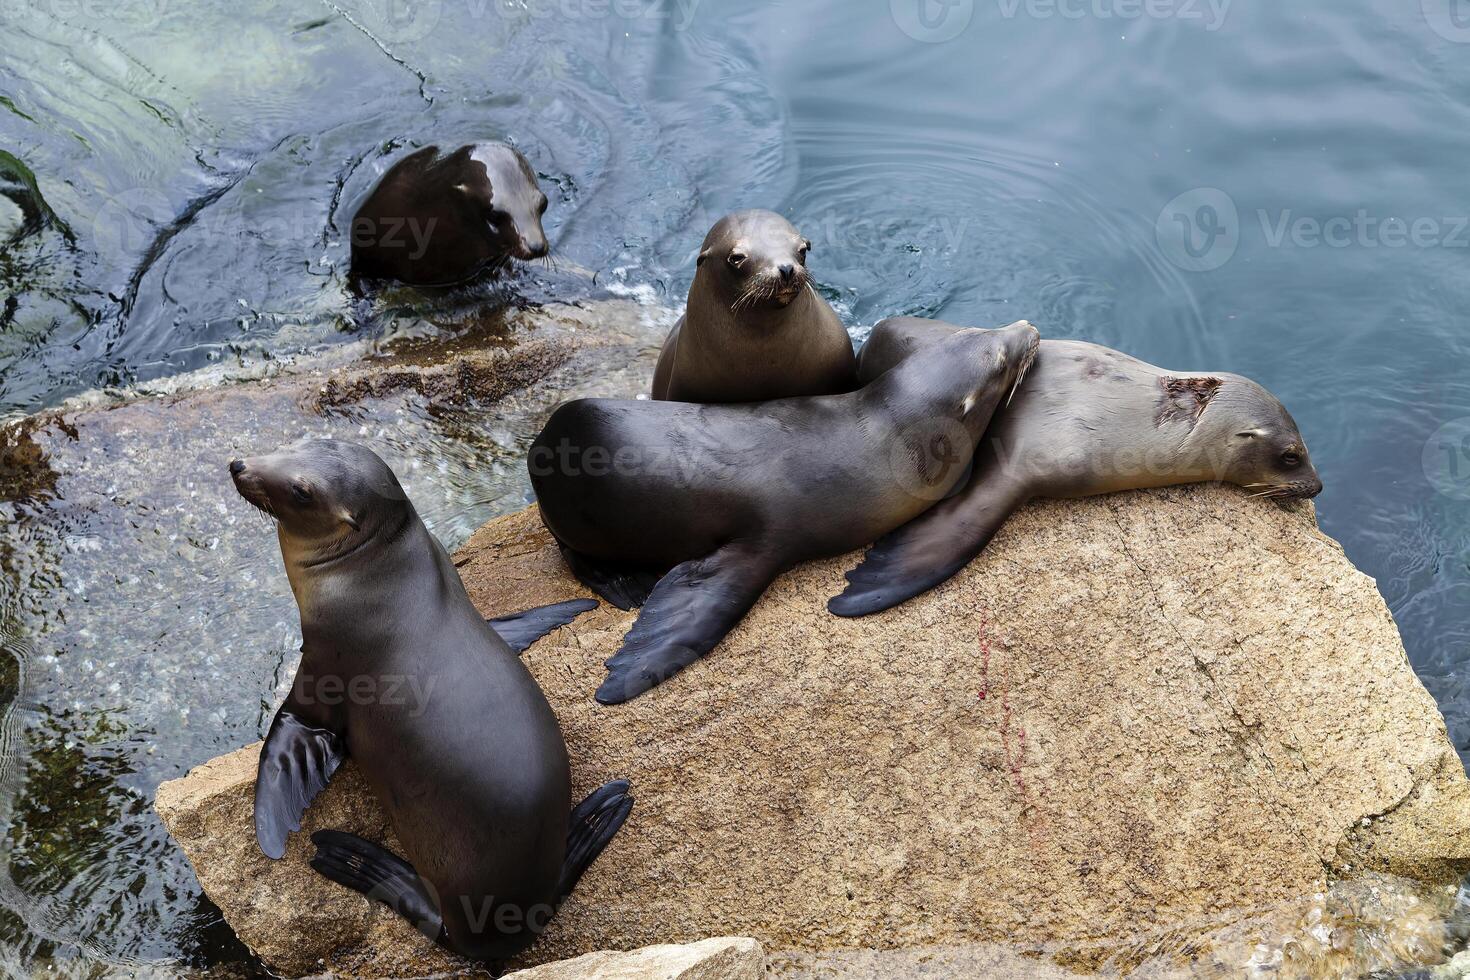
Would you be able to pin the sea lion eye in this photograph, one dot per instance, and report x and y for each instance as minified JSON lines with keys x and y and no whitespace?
{"x":737,"y":259}
{"x":301,"y":493}
{"x":1290,"y":458}
{"x":541,"y":207}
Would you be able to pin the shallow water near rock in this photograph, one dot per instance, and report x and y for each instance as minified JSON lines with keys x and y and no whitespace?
{"x":173,"y":192}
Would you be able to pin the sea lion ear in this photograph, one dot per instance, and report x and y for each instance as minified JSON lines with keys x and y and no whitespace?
{"x":348,"y":519}
{"x":702,"y":256}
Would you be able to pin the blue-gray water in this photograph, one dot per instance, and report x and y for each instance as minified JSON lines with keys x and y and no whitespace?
{"x":1275,"y":189}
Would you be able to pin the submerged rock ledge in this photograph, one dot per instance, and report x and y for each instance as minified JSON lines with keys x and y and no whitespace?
{"x":1131,"y":715}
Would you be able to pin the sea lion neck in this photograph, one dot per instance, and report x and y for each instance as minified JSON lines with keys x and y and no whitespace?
{"x":322,"y":579}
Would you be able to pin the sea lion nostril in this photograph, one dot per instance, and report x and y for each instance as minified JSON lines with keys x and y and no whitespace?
{"x":787,"y":273}
{"x":237,"y":466}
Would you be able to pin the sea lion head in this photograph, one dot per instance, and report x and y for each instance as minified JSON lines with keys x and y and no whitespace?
{"x":941,"y":398}
{"x":1263,"y":449}
{"x":754,"y":260}
{"x":328,"y":497}
{"x":962,"y":378}
{"x":499,"y":189}
{"x":973,"y":371}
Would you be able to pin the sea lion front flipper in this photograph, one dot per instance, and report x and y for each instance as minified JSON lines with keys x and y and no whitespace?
{"x":379,"y":874}
{"x":593,"y":824}
{"x":622,"y":585}
{"x":296,"y":763}
{"x":687,"y":614}
{"x":520,"y":630}
{"x":928,"y":550}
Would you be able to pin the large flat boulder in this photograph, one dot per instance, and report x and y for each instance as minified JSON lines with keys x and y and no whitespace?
{"x":1134,"y":715}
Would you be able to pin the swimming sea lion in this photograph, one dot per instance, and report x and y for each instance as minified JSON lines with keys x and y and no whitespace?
{"x":1090,"y":421}
{"x":755,"y":328}
{"x":725,"y":497}
{"x":435,"y":221}
{"x":445,"y":722}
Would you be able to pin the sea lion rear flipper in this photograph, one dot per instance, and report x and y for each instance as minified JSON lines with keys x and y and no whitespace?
{"x":520,"y":630}
{"x":687,"y":614}
{"x":928,"y":550}
{"x":622,"y":585}
{"x":379,"y":874}
{"x":296,"y":763}
{"x":594,"y":822}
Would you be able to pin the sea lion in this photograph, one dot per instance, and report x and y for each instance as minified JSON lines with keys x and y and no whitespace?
{"x":723,"y":498}
{"x":445,"y":722}
{"x":435,"y":221}
{"x":1090,"y":421}
{"x":755,"y":328}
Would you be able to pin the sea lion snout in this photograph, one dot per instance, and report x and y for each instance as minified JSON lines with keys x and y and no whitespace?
{"x":534,"y":246}
{"x":237,"y":466}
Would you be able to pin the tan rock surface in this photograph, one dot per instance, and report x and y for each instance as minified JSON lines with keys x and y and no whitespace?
{"x":1132,"y":714}
{"x":725,"y":958}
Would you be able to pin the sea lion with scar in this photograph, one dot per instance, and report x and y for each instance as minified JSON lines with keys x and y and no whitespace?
{"x":697,"y":508}
{"x":435,"y":221}
{"x":755,"y":328}
{"x":1090,"y":421}
{"x":444,"y":721}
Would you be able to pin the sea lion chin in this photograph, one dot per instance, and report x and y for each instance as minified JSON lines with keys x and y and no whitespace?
{"x":754,"y":328}
{"x":1092,"y":421}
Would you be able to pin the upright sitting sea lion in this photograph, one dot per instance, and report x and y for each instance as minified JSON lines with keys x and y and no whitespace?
{"x":725,"y":497}
{"x":1090,"y":421}
{"x":435,"y":221}
{"x":755,"y":328}
{"x":445,"y":722}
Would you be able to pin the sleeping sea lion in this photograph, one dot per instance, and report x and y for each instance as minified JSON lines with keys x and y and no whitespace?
{"x":1091,"y":421}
